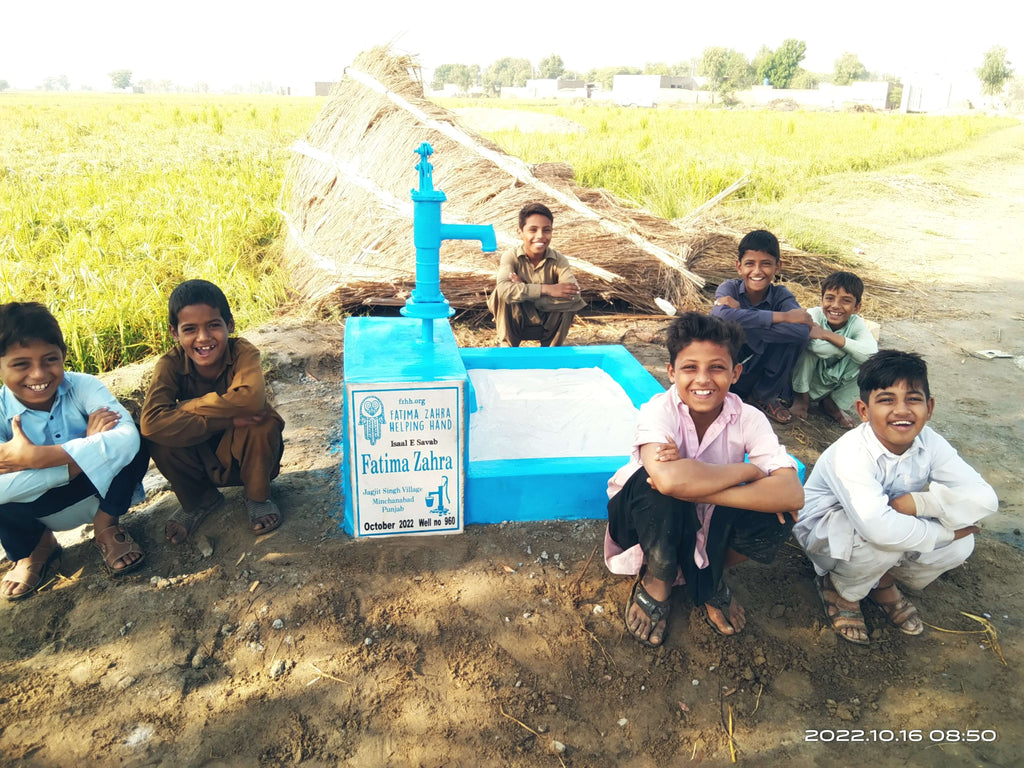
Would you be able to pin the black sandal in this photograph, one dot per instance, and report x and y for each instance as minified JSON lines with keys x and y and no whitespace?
{"x":655,"y":610}
{"x":721,"y":600}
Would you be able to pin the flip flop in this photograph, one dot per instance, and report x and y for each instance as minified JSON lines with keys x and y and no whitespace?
{"x":722,"y":600}
{"x":40,"y":578}
{"x":774,"y":410}
{"x":260,"y":509}
{"x":192,"y":519}
{"x":655,"y":610}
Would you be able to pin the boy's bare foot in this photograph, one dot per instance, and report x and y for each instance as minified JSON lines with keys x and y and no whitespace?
{"x":724,"y":613}
{"x":28,"y":573}
{"x":182,"y":524}
{"x":837,"y":414}
{"x":649,"y":600}
{"x":801,"y":403}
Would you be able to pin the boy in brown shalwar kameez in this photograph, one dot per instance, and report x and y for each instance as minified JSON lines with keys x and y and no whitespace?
{"x":206,"y":416}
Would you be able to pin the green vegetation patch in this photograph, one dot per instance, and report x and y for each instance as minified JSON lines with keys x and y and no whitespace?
{"x":108,"y":201}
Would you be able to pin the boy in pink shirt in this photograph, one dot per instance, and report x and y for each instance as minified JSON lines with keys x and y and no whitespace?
{"x":687,"y":505}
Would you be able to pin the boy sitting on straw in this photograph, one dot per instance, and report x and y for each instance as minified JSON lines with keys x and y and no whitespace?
{"x":840,"y":342}
{"x":890,"y":500}
{"x":775,"y":326}
{"x":536,"y":296}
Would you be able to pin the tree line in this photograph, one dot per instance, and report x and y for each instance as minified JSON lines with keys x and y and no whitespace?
{"x":726,"y":69}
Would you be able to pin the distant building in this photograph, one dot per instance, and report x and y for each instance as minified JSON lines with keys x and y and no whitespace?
{"x":651,"y":90}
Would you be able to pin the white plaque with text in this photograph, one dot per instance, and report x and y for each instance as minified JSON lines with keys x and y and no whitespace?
{"x":407,"y":444}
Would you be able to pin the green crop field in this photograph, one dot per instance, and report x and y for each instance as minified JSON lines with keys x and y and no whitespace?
{"x":108,"y":201}
{"x":672,"y":160}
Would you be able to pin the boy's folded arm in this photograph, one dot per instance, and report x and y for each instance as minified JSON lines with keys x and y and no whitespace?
{"x":867,"y":505}
{"x":689,"y":479}
{"x":778,"y":492}
{"x":29,"y":484}
{"x":165,"y":423}
{"x":102,"y":454}
{"x":861,"y":345}
{"x":513,"y":291}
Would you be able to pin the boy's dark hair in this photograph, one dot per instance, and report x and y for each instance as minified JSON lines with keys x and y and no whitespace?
{"x":760,"y":240}
{"x":22,"y":322}
{"x":534,"y":209}
{"x":693,"y":326}
{"x":888,"y":366}
{"x":197,"y":292}
{"x":848,"y":281}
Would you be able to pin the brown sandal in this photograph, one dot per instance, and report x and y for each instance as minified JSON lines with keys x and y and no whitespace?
{"x":842,"y":614}
{"x":901,"y":613}
{"x":114,"y":542}
{"x":32,"y":576}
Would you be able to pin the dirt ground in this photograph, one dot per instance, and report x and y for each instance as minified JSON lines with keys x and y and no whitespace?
{"x":494,"y":647}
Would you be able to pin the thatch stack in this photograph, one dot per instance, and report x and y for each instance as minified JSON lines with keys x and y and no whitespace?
{"x":350,"y":215}
{"x":349,"y":212}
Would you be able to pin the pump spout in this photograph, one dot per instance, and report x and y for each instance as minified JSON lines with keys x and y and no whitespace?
{"x":482,"y":232}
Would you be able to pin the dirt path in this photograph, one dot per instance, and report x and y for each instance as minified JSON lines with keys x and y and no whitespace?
{"x":307,"y":648}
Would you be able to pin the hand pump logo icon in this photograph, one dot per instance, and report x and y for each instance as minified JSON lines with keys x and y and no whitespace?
{"x":371,"y":417}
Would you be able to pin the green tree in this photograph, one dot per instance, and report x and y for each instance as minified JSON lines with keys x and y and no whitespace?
{"x":805,"y":80}
{"x":507,"y":72}
{"x":121,"y":79}
{"x":994,"y":71}
{"x":551,"y":67}
{"x":605,"y":75}
{"x":780,"y":66}
{"x":59,"y":83}
{"x":463,"y":75}
{"x":714,"y":64}
{"x":4,"y":85}
{"x":849,"y":68}
{"x":657,"y":68}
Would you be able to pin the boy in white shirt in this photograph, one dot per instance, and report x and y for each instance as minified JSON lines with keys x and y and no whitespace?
{"x":890,"y":500}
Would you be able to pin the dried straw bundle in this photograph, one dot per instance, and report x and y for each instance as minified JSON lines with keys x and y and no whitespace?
{"x":350,"y":216}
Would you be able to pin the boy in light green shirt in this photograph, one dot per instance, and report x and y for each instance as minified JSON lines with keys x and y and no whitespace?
{"x":841,"y":341}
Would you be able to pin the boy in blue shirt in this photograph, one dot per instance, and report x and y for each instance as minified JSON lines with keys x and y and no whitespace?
{"x":70,"y":454}
{"x":776,"y":327}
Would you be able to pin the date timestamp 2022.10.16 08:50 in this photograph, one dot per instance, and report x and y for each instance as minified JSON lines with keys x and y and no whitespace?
{"x":903,"y":735}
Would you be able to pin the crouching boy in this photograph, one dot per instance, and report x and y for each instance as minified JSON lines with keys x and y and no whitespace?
{"x":687,"y":505}
{"x":868,"y":521}
{"x":206,"y":416}
{"x":70,"y":454}
{"x":841,"y":341}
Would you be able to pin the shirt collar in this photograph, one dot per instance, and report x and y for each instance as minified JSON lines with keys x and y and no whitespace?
{"x":189,"y":369}
{"x":877,"y":450}
{"x":767,"y":295}
{"x":548,"y":254}
{"x":732,"y":407}
{"x":14,"y":407}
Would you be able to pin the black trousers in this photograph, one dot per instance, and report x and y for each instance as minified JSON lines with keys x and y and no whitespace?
{"x":666,"y":529}
{"x":20,"y":529}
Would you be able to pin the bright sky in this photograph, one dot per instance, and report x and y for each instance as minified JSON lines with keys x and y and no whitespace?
{"x":296,"y":42}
